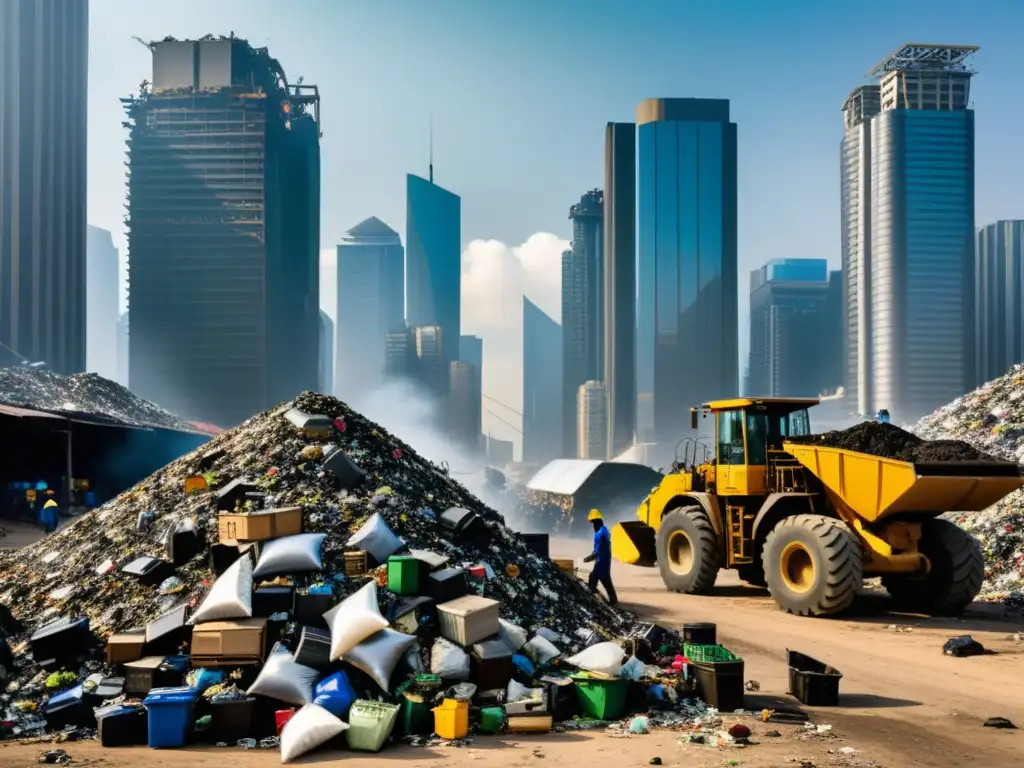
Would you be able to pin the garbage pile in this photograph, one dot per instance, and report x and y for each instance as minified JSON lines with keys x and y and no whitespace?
{"x":991,"y":418}
{"x":303,"y":575}
{"x":890,"y":442}
{"x":81,"y":393}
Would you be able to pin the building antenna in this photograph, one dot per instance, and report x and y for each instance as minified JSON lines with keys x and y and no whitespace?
{"x":431,"y":121}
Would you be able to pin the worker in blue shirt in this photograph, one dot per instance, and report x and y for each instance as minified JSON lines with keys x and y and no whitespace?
{"x":601,"y":557}
{"x":48,"y":516}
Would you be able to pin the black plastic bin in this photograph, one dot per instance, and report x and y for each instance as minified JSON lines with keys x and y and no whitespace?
{"x":449,"y":584}
{"x":310,"y":609}
{"x":700,"y":633}
{"x":812,"y":682}
{"x":720,"y":684}
{"x":231,"y":720}
{"x":123,"y":727}
{"x":538,"y":543}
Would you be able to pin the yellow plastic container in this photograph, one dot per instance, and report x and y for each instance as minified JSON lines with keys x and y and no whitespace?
{"x":451,"y":719}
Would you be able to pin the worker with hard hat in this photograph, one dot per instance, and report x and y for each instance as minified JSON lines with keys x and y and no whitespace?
{"x":48,"y":516}
{"x":601,"y":557}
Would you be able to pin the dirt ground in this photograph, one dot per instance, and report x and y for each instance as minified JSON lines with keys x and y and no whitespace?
{"x":903,"y":703}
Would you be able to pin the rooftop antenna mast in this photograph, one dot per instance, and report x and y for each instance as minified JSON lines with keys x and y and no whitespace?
{"x":431,"y":122}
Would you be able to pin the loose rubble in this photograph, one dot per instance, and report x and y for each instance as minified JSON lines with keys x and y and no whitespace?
{"x":890,"y":442}
{"x":991,"y":419}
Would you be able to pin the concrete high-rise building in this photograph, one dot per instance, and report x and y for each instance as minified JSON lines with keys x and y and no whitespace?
{"x":122,"y":350}
{"x":102,"y":305}
{"x":542,"y":385}
{"x":44,"y":65}
{"x":471,"y":351}
{"x":999,"y":299}
{"x":910,"y":294}
{"x":398,"y":355}
{"x":619,"y":335}
{"x":464,"y":404}
{"x":430,"y":363}
{"x":582,"y":308}
{"x":325,"y":373}
{"x":223,"y":231}
{"x":371,"y":303}
{"x":592,"y":421}
{"x":789,"y":341}
{"x":433,"y":259}
{"x":687,"y":262}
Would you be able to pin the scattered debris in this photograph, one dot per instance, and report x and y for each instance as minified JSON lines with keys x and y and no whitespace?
{"x":963,"y":646}
{"x":900,"y":628}
{"x":999,"y":722}
{"x":752,"y":686}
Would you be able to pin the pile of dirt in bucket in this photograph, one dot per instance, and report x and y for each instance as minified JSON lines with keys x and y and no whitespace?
{"x":890,"y":442}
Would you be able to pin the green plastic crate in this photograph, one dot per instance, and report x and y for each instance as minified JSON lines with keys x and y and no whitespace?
{"x":404,"y":574}
{"x":370,"y":724}
{"x":601,"y":698}
{"x":708,"y":653}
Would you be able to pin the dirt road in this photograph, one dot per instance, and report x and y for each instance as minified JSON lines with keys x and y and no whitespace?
{"x":903,"y":703}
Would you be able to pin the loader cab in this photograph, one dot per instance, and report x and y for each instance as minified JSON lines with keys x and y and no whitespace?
{"x":748,"y":434}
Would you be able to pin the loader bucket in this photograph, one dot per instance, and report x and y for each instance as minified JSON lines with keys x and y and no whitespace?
{"x":874,"y":487}
{"x":633,"y":544}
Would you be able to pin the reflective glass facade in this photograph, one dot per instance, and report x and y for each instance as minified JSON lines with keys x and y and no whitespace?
{"x":542,"y":385}
{"x":922,"y":258}
{"x":433,"y":262}
{"x":686,"y":266}
{"x":999,"y":299}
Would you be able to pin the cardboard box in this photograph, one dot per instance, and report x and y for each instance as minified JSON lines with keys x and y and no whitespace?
{"x":218,"y":643}
{"x":125,"y":647}
{"x":262,"y":525}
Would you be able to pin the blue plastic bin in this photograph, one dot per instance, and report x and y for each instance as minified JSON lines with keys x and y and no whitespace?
{"x":170,"y":716}
{"x":335,"y":694}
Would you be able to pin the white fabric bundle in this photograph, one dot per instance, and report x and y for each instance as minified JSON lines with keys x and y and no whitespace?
{"x":284,"y":679}
{"x":230,"y":597}
{"x":310,"y":727}
{"x":603,"y":658}
{"x":353,"y":620}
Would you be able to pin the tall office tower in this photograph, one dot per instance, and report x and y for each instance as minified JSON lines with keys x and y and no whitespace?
{"x":620,"y":285}
{"x":686,"y":267}
{"x":788,"y":328}
{"x":102,"y":305}
{"x":325,"y":371}
{"x":542,"y":385}
{"x":122,"y":349}
{"x":860,"y":107}
{"x":430,"y":365}
{"x":433,"y":259}
{"x":223,"y":231}
{"x":582,"y":308}
{"x":44,"y":65}
{"x":371,"y":303}
{"x":471,"y":350}
{"x":399,"y":353}
{"x":999,"y":303}
{"x":834,"y":361}
{"x":910,"y":302}
{"x":592,"y":421}
{"x":464,"y":405}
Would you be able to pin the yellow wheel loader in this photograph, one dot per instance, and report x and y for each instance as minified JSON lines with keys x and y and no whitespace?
{"x":812,"y":522}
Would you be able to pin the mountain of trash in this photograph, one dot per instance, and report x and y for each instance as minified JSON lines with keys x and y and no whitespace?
{"x":991,"y":418}
{"x":82,"y":393}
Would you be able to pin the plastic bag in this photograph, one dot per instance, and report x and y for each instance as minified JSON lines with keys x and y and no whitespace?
{"x":448,"y":661}
{"x":230,"y":597}
{"x":379,"y":655}
{"x":634,"y":669}
{"x":550,"y":635}
{"x":413,"y":661}
{"x":541,"y":650}
{"x":292,"y":554}
{"x":354,"y":620}
{"x":379,"y":541}
{"x":335,"y":694}
{"x":516,"y":692}
{"x":284,"y":679}
{"x":309,"y":728}
{"x":512,"y":635}
{"x":603,"y":658}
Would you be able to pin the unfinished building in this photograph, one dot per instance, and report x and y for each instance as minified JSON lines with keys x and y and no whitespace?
{"x":223,"y":219}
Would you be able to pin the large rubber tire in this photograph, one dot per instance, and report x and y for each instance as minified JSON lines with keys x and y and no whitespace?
{"x":813,"y":564}
{"x":954,"y":579}
{"x":688,"y":551}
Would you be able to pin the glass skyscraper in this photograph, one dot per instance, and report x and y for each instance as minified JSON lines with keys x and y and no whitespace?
{"x":433,"y":261}
{"x":687,"y":344}
{"x":999,"y":299}
{"x":542,"y":385}
{"x":910,"y":299}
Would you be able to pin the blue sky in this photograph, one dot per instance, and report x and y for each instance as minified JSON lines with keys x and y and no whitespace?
{"x":520,"y":92}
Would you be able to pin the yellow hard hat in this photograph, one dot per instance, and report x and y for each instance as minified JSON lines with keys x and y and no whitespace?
{"x":50,"y":503}
{"x":594,"y":515}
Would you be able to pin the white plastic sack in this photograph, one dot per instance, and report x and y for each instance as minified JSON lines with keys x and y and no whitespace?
{"x":354,"y":620}
{"x":516,"y":692}
{"x":292,"y":554}
{"x":549,"y":634}
{"x":512,"y":635}
{"x":230,"y":597}
{"x":309,"y":728}
{"x":603,"y":658}
{"x":379,"y":655}
{"x":284,"y":679}
{"x":413,"y":661}
{"x":376,"y":538}
{"x":540,"y":650}
{"x":448,"y":661}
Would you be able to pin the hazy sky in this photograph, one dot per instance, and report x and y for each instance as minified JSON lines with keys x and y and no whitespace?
{"x":520,"y":92}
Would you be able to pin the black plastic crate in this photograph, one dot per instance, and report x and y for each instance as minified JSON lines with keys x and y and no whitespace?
{"x":720,"y":684}
{"x":449,"y":584}
{"x":812,"y":682}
